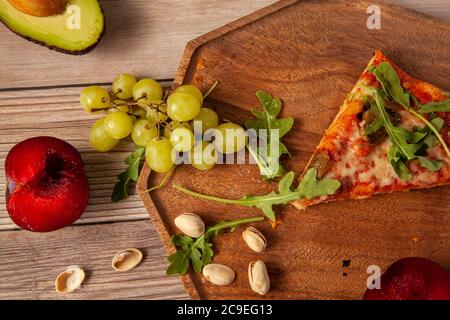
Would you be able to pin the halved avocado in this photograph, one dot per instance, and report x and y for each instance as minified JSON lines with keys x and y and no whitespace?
{"x":59,"y":32}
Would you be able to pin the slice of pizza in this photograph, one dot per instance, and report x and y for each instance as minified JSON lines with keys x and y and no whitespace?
{"x":391,"y":134}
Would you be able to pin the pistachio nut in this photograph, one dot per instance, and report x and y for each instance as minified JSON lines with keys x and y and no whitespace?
{"x":190,"y":224}
{"x":218,"y":274}
{"x":69,"y":280}
{"x":254,"y":239}
{"x":258,"y":277}
{"x":127,"y":259}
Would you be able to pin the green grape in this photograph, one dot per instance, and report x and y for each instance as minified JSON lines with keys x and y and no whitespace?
{"x":173,"y":125}
{"x":147,"y":90}
{"x":143,"y":131}
{"x":182,"y":106}
{"x":98,"y":138}
{"x":208,"y":118}
{"x":123,"y":85}
{"x":162,"y":112}
{"x":182,"y":139}
{"x":203,"y":156}
{"x":159,"y":155}
{"x":118,"y":125}
{"x":230,"y":138}
{"x":191,"y":89}
{"x":95,"y":97}
{"x":152,"y":115}
{"x":155,"y":103}
{"x":123,"y":108}
{"x":157,"y":115}
{"x":140,"y":113}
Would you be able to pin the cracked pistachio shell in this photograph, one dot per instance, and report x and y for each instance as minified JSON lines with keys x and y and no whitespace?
{"x":190,"y":224}
{"x":254,"y":239}
{"x":258,"y":277}
{"x":69,"y":280}
{"x":219,"y":274}
{"x":127,"y":259}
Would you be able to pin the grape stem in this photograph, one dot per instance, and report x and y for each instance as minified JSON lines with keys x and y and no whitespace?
{"x":211,"y":89}
{"x":144,"y":95}
{"x":243,"y":202}
{"x":166,"y":95}
{"x":162,"y":183}
{"x":99,"y":110}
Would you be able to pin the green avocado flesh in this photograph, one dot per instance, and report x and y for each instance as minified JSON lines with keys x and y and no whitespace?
{"x":62,"y":32}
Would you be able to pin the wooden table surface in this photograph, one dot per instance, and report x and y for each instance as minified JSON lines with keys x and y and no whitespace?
{"x":39,"y":92}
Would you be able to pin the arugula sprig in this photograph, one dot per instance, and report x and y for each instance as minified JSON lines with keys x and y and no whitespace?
{"x":267,"y":156}
{"x":406,"y":145}
{"x":392,"y":88}
{"x":199,"y":251}
{"x":309,"y":188}
{"x":442,"y":106}
{"x":130,"y":174}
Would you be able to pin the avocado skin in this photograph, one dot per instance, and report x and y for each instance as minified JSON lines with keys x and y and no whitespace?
{"x":58,"y":49}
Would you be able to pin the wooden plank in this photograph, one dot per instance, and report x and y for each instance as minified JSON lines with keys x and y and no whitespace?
{"x":142,"y":37}
{"x":311,"y":52}
{"x":31,"y":262}
{"x":437,"y":8}
{"x":57,"y":112}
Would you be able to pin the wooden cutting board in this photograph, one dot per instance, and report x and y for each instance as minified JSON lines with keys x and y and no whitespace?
{"x":310,"y":54}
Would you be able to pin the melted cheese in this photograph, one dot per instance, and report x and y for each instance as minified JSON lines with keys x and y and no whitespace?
{"x":409,"y":121}
{"x":375,"y":170}
{"x":380,"y":169}
{"x":438,"y":153}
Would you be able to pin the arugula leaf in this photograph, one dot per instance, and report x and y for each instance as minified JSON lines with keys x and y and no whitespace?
{"x":179,"y":261}
{"x":265,"y":202}
{"x":133,"y":161}
{"x":431,"y":139}
{"x":431,"y":165}
{"x":198,"y":251}
{"x":391,"y":84}
{"x":267,"y":156}
{"x":402,"y":170}
{"x":407,"y":145}
{"x":442,"y":106}
{"x":392,"y":88}
{"x":399,"y":163}
{"x":309,"y":188}
{"x":398,"y":136}
{"x":374,"y":126}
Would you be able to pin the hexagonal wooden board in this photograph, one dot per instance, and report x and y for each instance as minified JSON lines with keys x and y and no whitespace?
{"x":310,"y":54}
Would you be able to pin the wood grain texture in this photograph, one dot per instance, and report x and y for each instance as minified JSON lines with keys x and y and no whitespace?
{"x":437,"y":8}
{"x":142,"y":37}
{"x":309,"y":53}
{"x":31,"y":262}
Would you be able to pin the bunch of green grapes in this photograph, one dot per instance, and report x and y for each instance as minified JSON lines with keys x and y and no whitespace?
{"x":161,"y":122}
